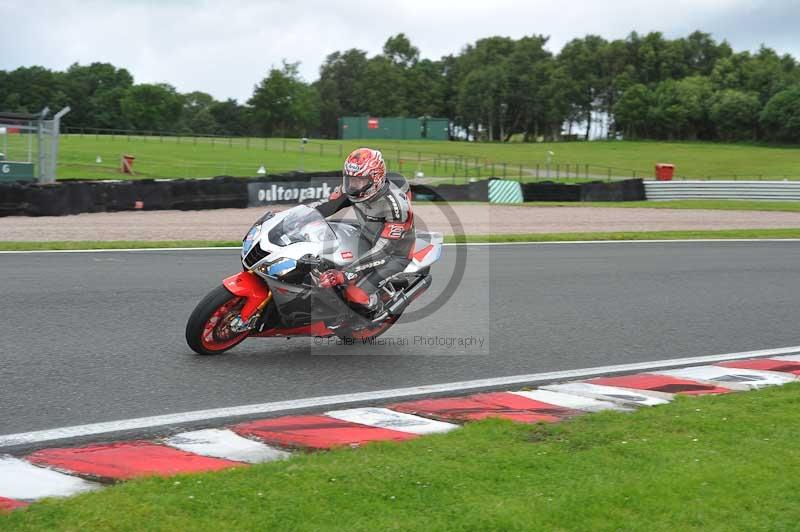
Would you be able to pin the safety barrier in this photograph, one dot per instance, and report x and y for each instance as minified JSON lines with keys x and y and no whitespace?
{"x":475,"y":191}
{"x":74,"y":197}
{"x":502,"y":191}
{"x":626,"y":190}
{"x":549,"y":191}
{"x":745,"y":190}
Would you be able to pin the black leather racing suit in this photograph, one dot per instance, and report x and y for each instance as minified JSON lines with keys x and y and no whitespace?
{"x":387,"y":224}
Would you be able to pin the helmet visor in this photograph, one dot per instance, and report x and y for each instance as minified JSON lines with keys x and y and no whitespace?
{"x":356,"y":185}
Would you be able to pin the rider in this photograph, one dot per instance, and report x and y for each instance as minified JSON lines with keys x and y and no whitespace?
{"x":387,"y":223}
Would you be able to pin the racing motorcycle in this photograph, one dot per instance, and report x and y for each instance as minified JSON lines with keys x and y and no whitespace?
{"x":278,"y":292}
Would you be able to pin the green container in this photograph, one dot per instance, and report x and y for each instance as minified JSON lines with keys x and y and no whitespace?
{"x":12,"y":171}
{"x":436,"y":129}
{"x":393,"y":128}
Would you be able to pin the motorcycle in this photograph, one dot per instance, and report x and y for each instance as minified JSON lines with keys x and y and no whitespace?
{"x":278,"y":294}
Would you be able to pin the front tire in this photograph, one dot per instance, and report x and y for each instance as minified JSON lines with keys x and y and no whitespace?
{"x":208,"y":329}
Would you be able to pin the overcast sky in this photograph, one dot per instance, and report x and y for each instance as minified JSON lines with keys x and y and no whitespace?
{"x":226,"y":47}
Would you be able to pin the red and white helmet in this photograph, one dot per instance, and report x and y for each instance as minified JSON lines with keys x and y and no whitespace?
{"x":364,"y":174}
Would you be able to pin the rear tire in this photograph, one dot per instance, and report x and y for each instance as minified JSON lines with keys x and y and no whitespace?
{"x":207,"y":331}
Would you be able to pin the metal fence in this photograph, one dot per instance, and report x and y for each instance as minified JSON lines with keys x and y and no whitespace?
{"x":744,"y":190}
{"x":30,"y":145}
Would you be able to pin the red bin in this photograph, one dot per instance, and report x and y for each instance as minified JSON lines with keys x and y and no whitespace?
{"x":126,"y":165}
{"x":664,"y":171}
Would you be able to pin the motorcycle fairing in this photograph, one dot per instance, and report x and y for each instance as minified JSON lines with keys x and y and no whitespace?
{"x":300,"y":305}
{"x":249,"y":286}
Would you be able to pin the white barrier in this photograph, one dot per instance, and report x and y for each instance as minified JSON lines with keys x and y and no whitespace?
{"x":746,"y":190}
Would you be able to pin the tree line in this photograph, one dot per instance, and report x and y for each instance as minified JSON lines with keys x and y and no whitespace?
{"x":643,"y":87}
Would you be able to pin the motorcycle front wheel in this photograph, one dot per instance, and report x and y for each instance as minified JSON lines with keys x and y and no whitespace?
{"x":208,"y":330}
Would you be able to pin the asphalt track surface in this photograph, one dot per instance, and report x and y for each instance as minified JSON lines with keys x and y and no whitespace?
{"x":91,"y":337}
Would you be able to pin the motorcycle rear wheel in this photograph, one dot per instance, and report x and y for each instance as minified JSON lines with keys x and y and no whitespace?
{"x":208,"y":329}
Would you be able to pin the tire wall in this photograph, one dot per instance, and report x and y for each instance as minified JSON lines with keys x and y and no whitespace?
{"x":74,"y":197}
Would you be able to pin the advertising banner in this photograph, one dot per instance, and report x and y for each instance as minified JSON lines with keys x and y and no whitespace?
{"x":290,"y":192}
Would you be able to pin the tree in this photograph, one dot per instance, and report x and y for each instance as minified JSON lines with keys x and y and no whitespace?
{"x":283,"y":104}
{"x":195,"y":115}
{"x":424,"y":87}
{"x":632,"y":111}
{"x":94,"y":92}
{"x":764,"y":73}
{"x":483,"y":92}
{"x":340,"y":88}
{"x":780,"y":119}
{"x":202,"y":122}
{"x":106,"y":109}
{"x":230,"y":117}
{"x":31,"y":89}
{"x":400,"y":52}
{"x":701,"y":52}
{"x":529,"y":68}
{"x":152,"y":107}
{"x":694,"y":94}
{"x":680,"y":108}
{"x":488,"y":52}
{"x":384,"y":88}
{"x":581,"y":60}
{"x":735,"y":114}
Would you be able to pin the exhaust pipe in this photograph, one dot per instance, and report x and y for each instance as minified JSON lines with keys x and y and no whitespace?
{"x":409,"y":295}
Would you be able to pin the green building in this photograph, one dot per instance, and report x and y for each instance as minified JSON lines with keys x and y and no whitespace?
{"x":397,"y":128}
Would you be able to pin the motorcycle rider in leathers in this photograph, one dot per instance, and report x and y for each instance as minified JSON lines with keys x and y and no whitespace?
{"x":387,"y":223}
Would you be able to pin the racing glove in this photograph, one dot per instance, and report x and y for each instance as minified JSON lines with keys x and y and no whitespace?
{"x":331,"y":278}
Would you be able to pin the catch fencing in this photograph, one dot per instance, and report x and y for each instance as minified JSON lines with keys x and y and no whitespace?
{"x":743,"y":190}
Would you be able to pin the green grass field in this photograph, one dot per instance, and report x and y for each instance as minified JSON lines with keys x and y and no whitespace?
{"x":455,"y":161}
{"x":728,"y":462}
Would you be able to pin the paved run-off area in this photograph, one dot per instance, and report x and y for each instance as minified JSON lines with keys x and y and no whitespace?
{"x":471,"y":219}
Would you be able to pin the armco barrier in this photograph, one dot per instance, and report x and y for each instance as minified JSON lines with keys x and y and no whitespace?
{"x":745,"y":190}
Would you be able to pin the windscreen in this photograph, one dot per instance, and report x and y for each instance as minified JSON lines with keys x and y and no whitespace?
{"x":302,"y":224}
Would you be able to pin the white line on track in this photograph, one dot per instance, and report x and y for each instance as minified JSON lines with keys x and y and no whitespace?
{"x":77,"y":431}
{"x":543,"y":243}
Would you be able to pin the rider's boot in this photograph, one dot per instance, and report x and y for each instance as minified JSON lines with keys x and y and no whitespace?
{"x":368,"y":305}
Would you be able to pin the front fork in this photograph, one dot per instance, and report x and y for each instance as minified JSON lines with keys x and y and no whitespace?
{"x":256,"y":294}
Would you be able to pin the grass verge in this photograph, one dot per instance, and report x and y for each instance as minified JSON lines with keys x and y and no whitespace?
{"x":522,"y":237}
{"x":711,"y":463}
